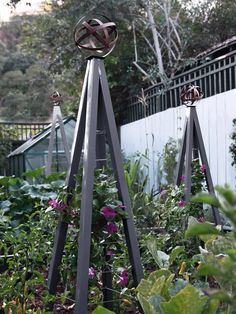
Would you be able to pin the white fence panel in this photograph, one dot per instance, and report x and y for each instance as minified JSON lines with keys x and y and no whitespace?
{"x":215,"y":116}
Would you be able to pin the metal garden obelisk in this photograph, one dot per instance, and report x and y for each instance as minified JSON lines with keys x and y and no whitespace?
{"x":56,"y":118}
{"x":193,"y":146}
{"x":95,"y":125}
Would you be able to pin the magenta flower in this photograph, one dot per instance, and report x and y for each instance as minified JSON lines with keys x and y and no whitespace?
{"x":111,"y":228}
{"x":182,"y":203}
{"x":203,"y":168}
{"x":182,"y":179}
{"x":123,"y":278}
{"x":57,"y":205}
{"x":91,"y":273}
{"x":108,"y":212}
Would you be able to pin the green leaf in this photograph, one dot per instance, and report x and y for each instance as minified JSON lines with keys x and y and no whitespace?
{"x":208,"y":270}
{"x":175,"y":253}
{"x":146,"y":305}
{"x":158,"y":286}
{"x":179,"y":284}
{"x":144,"y":287}
{"x":201,"y":229}
{"x":5,"y":205}
{"x":158,"y":273}
{"x":156,"y":300}
{"x":188,"y":300}
{"x":161,"y":258}
{"x":206,"y":199}
{"x":227,"y":194}
{"x":34,"y":173}
{"x":102,"y":310}
{"x":212,"y":306}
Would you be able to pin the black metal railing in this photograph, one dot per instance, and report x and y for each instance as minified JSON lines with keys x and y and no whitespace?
{"x":214,"y":77}
{"x":22,"y":131}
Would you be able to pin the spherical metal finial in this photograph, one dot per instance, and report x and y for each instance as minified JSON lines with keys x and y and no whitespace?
{"x":96,"y":36}
{"x":191,"y":94}
{"x":56,"y":98}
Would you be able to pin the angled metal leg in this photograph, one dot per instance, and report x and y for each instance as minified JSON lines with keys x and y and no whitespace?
{"x":87,"y":190}
{"x":48,"y":169}
{"x":182,"y":153}
{"x":63,"y":137}
{"x":116,"y":157}
{"x":79,"y":134}
{"x":60,"y":237}
{"x":100,"y":163}
{"x":189,"y":157}
{"x":204,"y":160}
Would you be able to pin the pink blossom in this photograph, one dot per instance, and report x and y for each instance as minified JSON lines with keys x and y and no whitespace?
{"x":123,"y":278}
{"x":203,"y":168}
{"x":111,"y":228}
{"x":182,"y":179}
{"x":57,"y":205}
{"x":182,"y":203}
{"x":108,"y":212}
{"x":91,"y":273}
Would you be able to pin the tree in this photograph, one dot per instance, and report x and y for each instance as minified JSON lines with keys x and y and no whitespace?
{"x":157,"y":23}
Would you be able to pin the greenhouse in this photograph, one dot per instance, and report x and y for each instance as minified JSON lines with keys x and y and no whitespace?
{"x":33,"y":153}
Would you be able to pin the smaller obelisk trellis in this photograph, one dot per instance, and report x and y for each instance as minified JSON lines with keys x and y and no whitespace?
{"x":193,"y":147}
{"x":95,"y":119}
{"x":56,"y":118}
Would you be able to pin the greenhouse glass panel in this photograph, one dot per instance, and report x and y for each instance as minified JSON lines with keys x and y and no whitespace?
{"x":33,"y":154}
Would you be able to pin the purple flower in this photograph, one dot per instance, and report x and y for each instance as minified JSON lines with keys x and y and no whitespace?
{"x":123,"y":278}
{"x":182,"y":179}
{"x":182,"y":203}
{"x":111,"y":228}
{"x":57,"y":205}
{"x":203,"y":168}
{"x":91,"y":273}
{"x":108,"y":212}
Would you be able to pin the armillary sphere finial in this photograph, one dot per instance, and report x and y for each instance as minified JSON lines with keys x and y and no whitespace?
{"x":95,"y":36}
{"x":56,"y":98}
{"x":190,"y":94}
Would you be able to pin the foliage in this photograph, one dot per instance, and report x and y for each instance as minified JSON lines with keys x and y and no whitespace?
{"x":136,"y":176}
{"x":19,"y":198}
{"x":5,"y":145}
{"x":232,"y":148}
{"x":161,"y":293}
{"x":25,"y":260}
{"x":210,"y":23}
{"x":26,"y":235}
{"x":217,"y":260}
{"x":167,"y":163}
{"x":154,"y":43}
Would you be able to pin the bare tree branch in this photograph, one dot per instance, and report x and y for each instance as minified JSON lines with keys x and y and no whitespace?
{"x":144,"y":72}
{"x":155,"y":39}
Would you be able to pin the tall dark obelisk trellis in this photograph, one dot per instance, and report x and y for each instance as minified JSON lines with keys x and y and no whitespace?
{"x":56,"y":118}
{"x":95,"y":124}
{"x":193,"y":147}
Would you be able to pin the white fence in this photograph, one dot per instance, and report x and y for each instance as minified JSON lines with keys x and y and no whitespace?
{"x":215,"y":116}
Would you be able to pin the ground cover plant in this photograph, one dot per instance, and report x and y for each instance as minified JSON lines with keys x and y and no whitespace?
{"x":176,"y":274}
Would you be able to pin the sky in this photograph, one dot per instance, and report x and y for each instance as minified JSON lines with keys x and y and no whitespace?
{"x":6,"y":12}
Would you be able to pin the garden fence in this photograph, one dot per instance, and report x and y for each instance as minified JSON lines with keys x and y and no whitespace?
{"x":214,"y":77}
{"x":22,"y":131}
